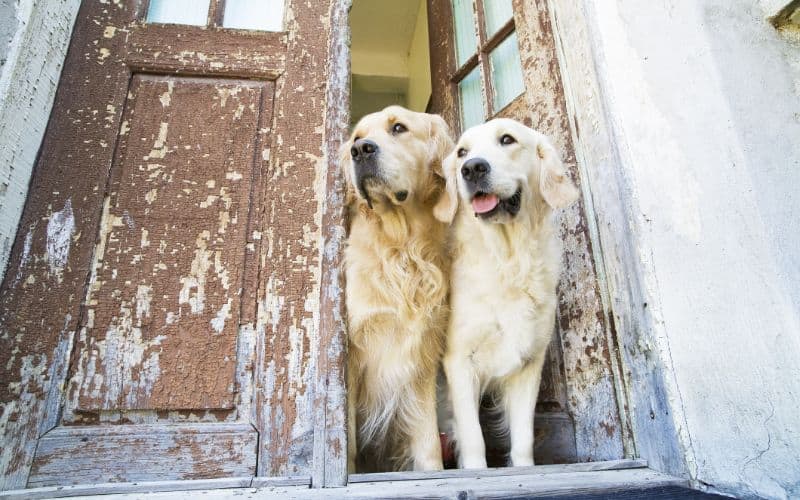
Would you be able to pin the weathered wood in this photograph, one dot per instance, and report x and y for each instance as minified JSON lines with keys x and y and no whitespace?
{"x":170,"y":259}
{"x":330,"y":430}
{"x":183,"y":486}
{"x":605,"y":484}
{"x":42,"y":292}
{"x":55,"y":253}
{"x":129,"y":453}
{"x":646,"y":381}
{"x":289,"y":298}
{"x":498,"y":471}
{"x":200,"y":50}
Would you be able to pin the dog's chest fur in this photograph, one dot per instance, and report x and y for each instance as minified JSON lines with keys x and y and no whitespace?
{"x":504,"y":293}
{"x":396,"y":271}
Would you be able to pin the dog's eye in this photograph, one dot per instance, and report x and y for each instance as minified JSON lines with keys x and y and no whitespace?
{"x":461,"y":152}
{"x":507,"y":139}
{"x":399,"y":128}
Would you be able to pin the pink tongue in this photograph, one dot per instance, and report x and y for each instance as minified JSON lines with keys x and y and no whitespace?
{"x":484,"y":203}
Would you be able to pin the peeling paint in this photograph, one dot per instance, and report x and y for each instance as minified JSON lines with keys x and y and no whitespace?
{"x":26,"y":254}
{"x":60,"y":229}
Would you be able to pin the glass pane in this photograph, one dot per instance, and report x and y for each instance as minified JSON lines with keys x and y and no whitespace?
{"x":263,"y":15}
{"x":506,"y":72}
{"x":469,"y":91}
{"x":194,"y":12}
{"x":496,"y":13}
{"x":466,"y":37}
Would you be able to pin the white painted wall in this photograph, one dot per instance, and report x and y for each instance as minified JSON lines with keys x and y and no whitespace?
{"x":702,"y":100}
{"x":419,"y":63}
{"x":33,"y":44}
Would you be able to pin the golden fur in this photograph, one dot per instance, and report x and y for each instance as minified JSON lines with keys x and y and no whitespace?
{"x":503,"y":278}
{"x":396,"y":272}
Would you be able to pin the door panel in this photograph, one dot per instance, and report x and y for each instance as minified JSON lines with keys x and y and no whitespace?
{"x":91,"y":454}
{"x":162,"y":312}
{"x":167,"y":269}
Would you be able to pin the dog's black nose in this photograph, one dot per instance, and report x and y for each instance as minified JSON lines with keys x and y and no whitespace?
{"x":363,"y":149}
{"x":475,"y":169}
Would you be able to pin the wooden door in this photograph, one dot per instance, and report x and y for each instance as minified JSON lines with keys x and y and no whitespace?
{"x":160,"y":317}
{"x":578,"y":416}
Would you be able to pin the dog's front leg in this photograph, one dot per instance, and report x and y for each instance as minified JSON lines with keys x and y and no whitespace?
{"x":464,"y":387}
{"x":426,"y":448}
{"x":519,"y":401}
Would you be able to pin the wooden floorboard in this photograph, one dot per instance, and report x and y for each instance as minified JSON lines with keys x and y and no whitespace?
{"x":639,"y":481}
{"x":499,"y":471}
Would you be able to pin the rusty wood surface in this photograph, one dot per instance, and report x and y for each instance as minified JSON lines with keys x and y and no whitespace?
{"x":91,"y":454}
{"x":441,"y":36}
{"x":289,"y":298}
{"x":41,"y":295}
{"x":161,"y":317}
{"x":200,"y":50}
{"x":590,"y":358}
{"x":330,"y":401}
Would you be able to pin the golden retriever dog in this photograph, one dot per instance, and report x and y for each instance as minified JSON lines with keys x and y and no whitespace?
{"x":396,"y":294}
{"x":503,"y":182}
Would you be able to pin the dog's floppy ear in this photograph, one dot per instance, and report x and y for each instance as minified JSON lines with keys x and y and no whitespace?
{"x":446,"y":207}
{"x":440,"y":143}
{"x":555,"y":185}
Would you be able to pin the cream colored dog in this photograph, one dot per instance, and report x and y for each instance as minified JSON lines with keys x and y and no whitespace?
{"x":396,"y":270}
{"x":506,"y":261}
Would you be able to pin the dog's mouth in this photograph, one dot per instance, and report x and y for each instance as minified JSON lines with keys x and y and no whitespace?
{"x":380,"y":191}
{"x":362,"y":188}
{"x":486,"y":205}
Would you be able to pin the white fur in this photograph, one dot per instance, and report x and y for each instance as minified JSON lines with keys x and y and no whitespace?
{"x":503,"y":284}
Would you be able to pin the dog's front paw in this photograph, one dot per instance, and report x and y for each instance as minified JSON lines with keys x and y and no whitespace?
{"x":428,"y":464}
{"x":521,"y":459}
{"x":477,"y":462}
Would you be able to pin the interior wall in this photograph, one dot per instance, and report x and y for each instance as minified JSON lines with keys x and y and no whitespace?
{"x":419,"y":63}
{"x":390,"y":56}
{"x":704,"y":161}
{"x":33,"y":44}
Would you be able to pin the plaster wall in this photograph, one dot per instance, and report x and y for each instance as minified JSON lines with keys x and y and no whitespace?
{"x":704,"y":101}
{"x":419,"y":63}
{"x":33,"y":44}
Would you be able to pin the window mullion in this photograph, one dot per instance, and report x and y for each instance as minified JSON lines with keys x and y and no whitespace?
{"x":215,"y":12}
{"x":483,"y":59}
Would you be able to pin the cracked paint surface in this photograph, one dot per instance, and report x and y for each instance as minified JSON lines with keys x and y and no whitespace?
{"x":171,"y":251}
{"x":191,"y":283}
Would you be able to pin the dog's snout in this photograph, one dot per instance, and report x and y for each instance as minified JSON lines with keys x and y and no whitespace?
{"x":475,"y":169}
{"x":363,"y":149}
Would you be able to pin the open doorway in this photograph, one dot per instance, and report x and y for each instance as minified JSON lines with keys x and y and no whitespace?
{"x":390,"y":56}
{"x":474,"y":61}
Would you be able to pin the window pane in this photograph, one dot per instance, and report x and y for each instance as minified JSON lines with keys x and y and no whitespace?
{"x":469,"y":91}
{"x":263,"y":15}
{"x":506,"y":72}
{"x":194,"y":12}
{"x":466,"y":37}
{"x":497,"y":13}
